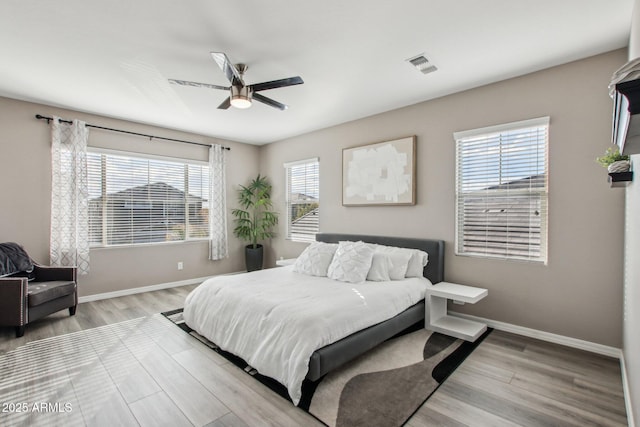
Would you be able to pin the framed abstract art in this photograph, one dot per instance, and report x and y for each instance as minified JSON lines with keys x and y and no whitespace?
{"x":379,"y":174}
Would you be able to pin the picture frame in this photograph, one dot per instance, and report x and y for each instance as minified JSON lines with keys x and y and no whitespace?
{"x":380,"y":174}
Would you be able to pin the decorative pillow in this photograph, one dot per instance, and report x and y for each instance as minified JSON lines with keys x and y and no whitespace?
{"x":400,"y":261}
{"x":14,"y":259}
{"x":399,"y":258}
{"x":7,"y":266}
{"x":380,"y":266}
{"x":315,"y":259}
{"x":417,"y":263}
{"x":351,"y":262}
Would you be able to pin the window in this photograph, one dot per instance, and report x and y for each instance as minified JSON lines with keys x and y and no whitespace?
{"x":303,"y":200}
{"x":501,"y":191}
{"x":135,"y":198}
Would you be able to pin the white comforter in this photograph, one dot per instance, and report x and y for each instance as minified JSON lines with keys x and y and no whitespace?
{"x":275,"y":319}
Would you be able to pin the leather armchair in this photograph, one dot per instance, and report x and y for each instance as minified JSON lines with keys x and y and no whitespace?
{"x":22,"y":300}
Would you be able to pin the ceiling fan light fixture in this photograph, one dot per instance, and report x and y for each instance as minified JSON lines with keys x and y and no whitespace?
{"x":240,"y":96}
{"x":241,"y":102}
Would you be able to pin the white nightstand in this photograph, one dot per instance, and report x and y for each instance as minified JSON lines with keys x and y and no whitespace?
{"x":283,"y":262}
{"x":436,"y":318}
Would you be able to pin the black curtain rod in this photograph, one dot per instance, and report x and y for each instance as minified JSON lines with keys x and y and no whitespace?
{"x":48,"y":119}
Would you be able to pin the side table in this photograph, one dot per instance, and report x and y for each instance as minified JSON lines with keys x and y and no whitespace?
{"x":436,"y":318}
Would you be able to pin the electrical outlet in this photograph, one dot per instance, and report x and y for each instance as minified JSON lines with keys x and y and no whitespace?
{"x":180,"y":265}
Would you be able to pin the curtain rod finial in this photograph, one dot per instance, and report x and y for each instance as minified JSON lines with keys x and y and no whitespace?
{"x":41,"y":117}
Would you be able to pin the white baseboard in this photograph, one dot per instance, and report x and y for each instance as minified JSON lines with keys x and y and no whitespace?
{"x":132,"y":291}
{"x":546,"y":336}
{"x":627,"y":392}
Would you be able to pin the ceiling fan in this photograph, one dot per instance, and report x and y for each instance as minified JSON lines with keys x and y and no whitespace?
{"x":241,"y":94}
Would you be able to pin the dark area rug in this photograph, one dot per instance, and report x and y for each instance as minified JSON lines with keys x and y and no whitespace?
{"x":383,"y":387}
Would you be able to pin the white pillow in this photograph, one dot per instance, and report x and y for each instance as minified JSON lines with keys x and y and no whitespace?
{"x":380,"y":266}
{"x":351,"y":262}
{"x":399,"y":258}
{"x":418,"y":261}
{"x":315,"y":259}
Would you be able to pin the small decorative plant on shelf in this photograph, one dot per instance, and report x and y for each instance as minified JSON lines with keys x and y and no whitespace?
{"x":614,"y":161}
{"x":255,"y":219}
{"x":618,"y":166}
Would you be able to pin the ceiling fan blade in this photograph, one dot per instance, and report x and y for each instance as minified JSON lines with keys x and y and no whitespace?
{"x":227,"y":68}
{"x":196,"y":84}
{"x":291,"y":81}
{"x":270,"y":102}
{"x":225,"y":104}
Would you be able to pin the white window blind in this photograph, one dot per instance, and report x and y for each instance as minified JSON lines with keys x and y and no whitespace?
{"x":135,"y":198}
{"x":501,"y":191}
{"x":303,"y":200}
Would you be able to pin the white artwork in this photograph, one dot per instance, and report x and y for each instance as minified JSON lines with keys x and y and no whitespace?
{"x":379,"y":174}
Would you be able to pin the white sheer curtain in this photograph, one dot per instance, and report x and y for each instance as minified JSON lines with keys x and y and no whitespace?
{"x":217,"y":204}
{"x":69,"y":195}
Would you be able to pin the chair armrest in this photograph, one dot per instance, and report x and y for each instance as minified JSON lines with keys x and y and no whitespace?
{"x":13,"y":301}
{"x":48,"y":274}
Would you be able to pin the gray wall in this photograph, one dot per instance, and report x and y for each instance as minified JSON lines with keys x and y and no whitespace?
{"x":631,"y":338}
{"x":25,"y":174}
{"x":579,"y":293}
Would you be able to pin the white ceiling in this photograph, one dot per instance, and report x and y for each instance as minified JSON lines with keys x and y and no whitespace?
{"x":113,"y":57}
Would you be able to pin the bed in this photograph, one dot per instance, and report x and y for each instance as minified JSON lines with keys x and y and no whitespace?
{"x":247,"y":314}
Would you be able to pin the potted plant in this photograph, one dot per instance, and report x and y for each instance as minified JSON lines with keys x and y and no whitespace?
{"x":254,"y":219}
{"x":614,"y":161}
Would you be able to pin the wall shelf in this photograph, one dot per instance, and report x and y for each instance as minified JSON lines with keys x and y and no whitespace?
{"x":620,"y":179}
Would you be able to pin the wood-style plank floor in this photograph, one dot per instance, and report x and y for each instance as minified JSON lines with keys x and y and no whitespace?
{"x":144,"y":371}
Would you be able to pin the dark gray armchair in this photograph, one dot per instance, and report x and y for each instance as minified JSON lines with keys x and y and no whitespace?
{"x":33,"y":291}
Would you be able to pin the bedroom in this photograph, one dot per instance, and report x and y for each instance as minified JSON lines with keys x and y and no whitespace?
{"x":587,"y":230}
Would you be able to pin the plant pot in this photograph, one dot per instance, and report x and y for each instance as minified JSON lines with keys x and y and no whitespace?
{"x":253,"y":257}
{"x":619,"y":166}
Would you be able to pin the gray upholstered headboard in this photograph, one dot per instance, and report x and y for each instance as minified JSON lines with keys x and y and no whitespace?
{"x":434,"y":271}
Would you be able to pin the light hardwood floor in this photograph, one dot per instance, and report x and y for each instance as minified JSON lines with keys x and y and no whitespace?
{"x":145,"y":371}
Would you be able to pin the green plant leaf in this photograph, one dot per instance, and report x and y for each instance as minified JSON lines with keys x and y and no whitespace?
{"x":610,"y":156}
{"x":255,"y":219}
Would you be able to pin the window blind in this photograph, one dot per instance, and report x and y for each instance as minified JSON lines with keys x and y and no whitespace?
{"x":501,"y":191}
{"x":135,"y":199}
{"x":303,"y":199}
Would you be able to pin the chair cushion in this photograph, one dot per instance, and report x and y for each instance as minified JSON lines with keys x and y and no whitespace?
{"x":41,"y":292}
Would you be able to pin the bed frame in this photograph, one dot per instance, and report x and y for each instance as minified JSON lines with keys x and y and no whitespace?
{"x":335,"y":355}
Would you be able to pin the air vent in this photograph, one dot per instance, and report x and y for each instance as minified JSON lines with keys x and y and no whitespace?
{"x":422,"y":64}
